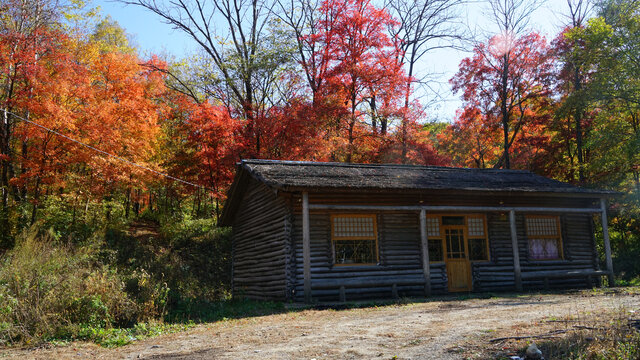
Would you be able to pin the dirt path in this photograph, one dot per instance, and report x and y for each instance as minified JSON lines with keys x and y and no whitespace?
{"x":447,"y":329}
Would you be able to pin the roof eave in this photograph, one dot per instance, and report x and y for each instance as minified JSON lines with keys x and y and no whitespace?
{"x":599,"y":194}
{"x":234,"y":194}
{"x":230,"y":204}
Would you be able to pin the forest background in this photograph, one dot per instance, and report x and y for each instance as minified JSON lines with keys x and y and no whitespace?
{"x":114,"y":165}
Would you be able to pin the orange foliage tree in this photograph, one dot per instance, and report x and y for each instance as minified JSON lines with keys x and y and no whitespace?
{"x":103,"y":100}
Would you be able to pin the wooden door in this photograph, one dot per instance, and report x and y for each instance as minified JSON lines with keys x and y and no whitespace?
{"x":457,"y":259}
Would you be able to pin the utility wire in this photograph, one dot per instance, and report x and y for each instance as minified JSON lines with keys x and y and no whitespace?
{"x":106,"y":153}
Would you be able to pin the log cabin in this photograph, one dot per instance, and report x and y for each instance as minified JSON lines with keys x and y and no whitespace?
{"x":315,"y":232}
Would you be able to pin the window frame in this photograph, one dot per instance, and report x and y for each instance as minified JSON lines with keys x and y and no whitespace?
{"x":441,"y":237}
{"x":351,"y":238}
{"x":558,"y":237}
{"x":485,"y":237}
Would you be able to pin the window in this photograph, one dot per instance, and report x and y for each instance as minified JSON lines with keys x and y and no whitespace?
{"x":478,"y":245}
{"x":455,"y":243}
{"x":459,"y":241}
{"x":453,"y":220}
{"x":436,"y":250}
{"x":545,"y":241}
{"x":478,"y":250}
{"x":355,"y":239}
{"x":433,"y":226}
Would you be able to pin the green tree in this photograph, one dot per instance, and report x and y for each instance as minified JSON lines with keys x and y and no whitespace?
{"x":612,"y":52}
{"x":110,"y":36}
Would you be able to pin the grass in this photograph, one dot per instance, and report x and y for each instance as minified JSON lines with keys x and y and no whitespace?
{"x":115,"y":337}
{"x":582,"y":335}
{"x":598,"y":337}
{"x":214,"y":312}
{"x":201,"y":312}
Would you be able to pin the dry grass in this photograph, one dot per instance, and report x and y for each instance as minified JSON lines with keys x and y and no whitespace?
{"x":587,"y":333}
{"x":443,"y":329}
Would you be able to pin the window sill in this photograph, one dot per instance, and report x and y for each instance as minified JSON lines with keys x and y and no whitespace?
{"x":548,"y":262}
{"x":358,"y":265}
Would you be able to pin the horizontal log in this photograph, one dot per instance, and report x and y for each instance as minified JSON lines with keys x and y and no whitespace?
{"x":369,"y":282}
{"x":563,"y":274}
{"x":452,"y":208}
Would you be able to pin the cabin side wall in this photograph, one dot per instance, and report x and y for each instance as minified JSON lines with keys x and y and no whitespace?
{"x":261,"y":245}
{"x":400,"y":252}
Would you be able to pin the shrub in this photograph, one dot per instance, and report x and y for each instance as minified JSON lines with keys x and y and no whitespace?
{"x":201,"y":254}
{"x":179,"y":269}
{"x":49,"y":289}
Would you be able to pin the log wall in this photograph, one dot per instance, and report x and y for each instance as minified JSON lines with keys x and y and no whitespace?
{"x":578,"y":248}
{"x":399,"y":248}
{"x":399,"y":255}
{"x":261,"y":245}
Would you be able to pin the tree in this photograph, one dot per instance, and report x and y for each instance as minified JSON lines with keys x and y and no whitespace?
{"x":361,"y":67}
{"x":303,"y":19}
{"x":243,"y":48}
{"x":507,"y":79}
{"x":103,"y":100}
{"x":423,"y":26}
{"x":610,"y":53}
{"x":511,"y":18}
{"x":22,"y":41}
{"x":212,"y":136}
{"x":111,"y":37}
{"x":471,"y":140}
{"x":572,"y":77}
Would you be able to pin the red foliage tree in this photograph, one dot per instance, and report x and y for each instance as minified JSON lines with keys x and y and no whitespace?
{"x":506,"y":85}
{"x":357,"y":60}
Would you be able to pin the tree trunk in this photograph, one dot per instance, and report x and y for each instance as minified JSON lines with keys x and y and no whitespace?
{"x":578,"y":115}
{"x":127,"y":203}
{"x":4,"y":152}
{"x":504,"y":109}
{"x":406,"y":109}
{"x":352,"y":124}
{"x":36,"y":198}
{"x":374,"y":123}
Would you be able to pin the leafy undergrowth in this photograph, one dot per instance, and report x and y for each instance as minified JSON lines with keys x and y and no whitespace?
{"x":114,"y":337}
{"x":116,"y":285}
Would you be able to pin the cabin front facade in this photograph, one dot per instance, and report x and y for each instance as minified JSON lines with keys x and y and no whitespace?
{"x":305,"y":231}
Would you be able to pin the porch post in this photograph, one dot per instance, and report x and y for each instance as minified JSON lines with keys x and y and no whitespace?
{"x":607,"y":243}
{"x":516,"y":251}
{"x":426,"y":267}
{"x":306,"y":247}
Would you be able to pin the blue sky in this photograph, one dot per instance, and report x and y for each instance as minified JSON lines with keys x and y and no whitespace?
{"x":153,"y":36}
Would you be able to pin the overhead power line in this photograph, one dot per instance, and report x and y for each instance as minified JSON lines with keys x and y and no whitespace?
{"x":106,"y":153}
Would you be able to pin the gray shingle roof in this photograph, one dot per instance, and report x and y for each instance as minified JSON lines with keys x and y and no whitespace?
{"x":317,"y":176}
{"x":292,"y":175}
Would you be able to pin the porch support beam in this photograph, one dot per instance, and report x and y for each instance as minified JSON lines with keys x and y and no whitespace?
{"x":516,"y":251}
{"x":424,"y":241}
{"x":306,"y":247}
{"x":451,"y":208}
{"x":607,"y":243}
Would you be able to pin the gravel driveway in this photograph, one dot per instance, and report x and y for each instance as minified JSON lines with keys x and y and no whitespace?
{"x":441,"y":329}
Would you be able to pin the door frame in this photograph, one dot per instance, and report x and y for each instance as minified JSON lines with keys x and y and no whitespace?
{"x":447,"y":260}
